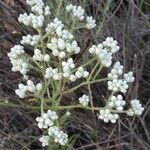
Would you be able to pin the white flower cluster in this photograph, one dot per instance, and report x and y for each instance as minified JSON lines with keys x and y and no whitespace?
{"x":59,"y":136}
{"x":116,"y":84}
{"x":67,"y":69}
{"x":31,"y":20}
{"x":22,"y":89}
{"x":53,"y":73}
{"x":38,"y":56}
{"x":76,"y":11}
{"x":37,"y":6}
{"x":62,"y":40}
{"x":47,"y":121}
{"x":105,"y":51}
{"x":30,"y":40}
{"x":81,"y":73}
{"x":55,"y":26}
{"x":84,"y":100}
{"x":107,"y":116}
{"x":35,"y":19}
{"x":18,"y":62}
{"x":44,"y":140}
{"x":111,"y":45}
{"x":117,"y":102}
{"x":90,"y":22}
{"x":128,"y":77}
{"x":116,"y":71}
{"x":136,"y":108}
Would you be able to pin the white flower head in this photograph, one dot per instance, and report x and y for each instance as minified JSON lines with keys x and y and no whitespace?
{"x":136,"y":108}
{"x":117,"y":102}
{"x":44,"y":140}
{"x":84,"y":100}
{"x":76,"y":11}
{"x":58,"y":135}
{"x":90,"y":22}
{"x":107,"y":116}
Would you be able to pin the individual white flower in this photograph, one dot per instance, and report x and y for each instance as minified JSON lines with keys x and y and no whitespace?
{"x":72,"y":78}
{"x":92,"y":49}
{"x":84,"y":100}
{"x":39,"y":87}
{"x":47,"y":11}
{"x":48,"y":72}
{"x":136,"y":108}
{"x":107,"y":116}
{"x":61,"y":44}
{"x":90,"y":22}
{"x":44,"y":140}
{"x":31,"y":86}
{"x":55,"y":52}
{"x":25,"y":77}
{"x":68,"y":113}
{"x":46,"y":57}
{"x":62,"y":55}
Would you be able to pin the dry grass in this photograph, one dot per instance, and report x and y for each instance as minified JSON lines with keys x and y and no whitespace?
{"x":125,"y":20}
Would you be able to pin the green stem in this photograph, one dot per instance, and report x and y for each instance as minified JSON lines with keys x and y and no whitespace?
{"x":59,"y":3}
{"x":84,"y":83}
{"x":42,"y":106}
{"x":87,"y":63}
{"x":93,"y":70}
{"x":80,"y":27}
{"x":36,"y":108}
{"x":99,"y":70}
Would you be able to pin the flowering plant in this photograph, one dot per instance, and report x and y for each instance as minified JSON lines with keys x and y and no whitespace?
{"x":54,"y":46}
